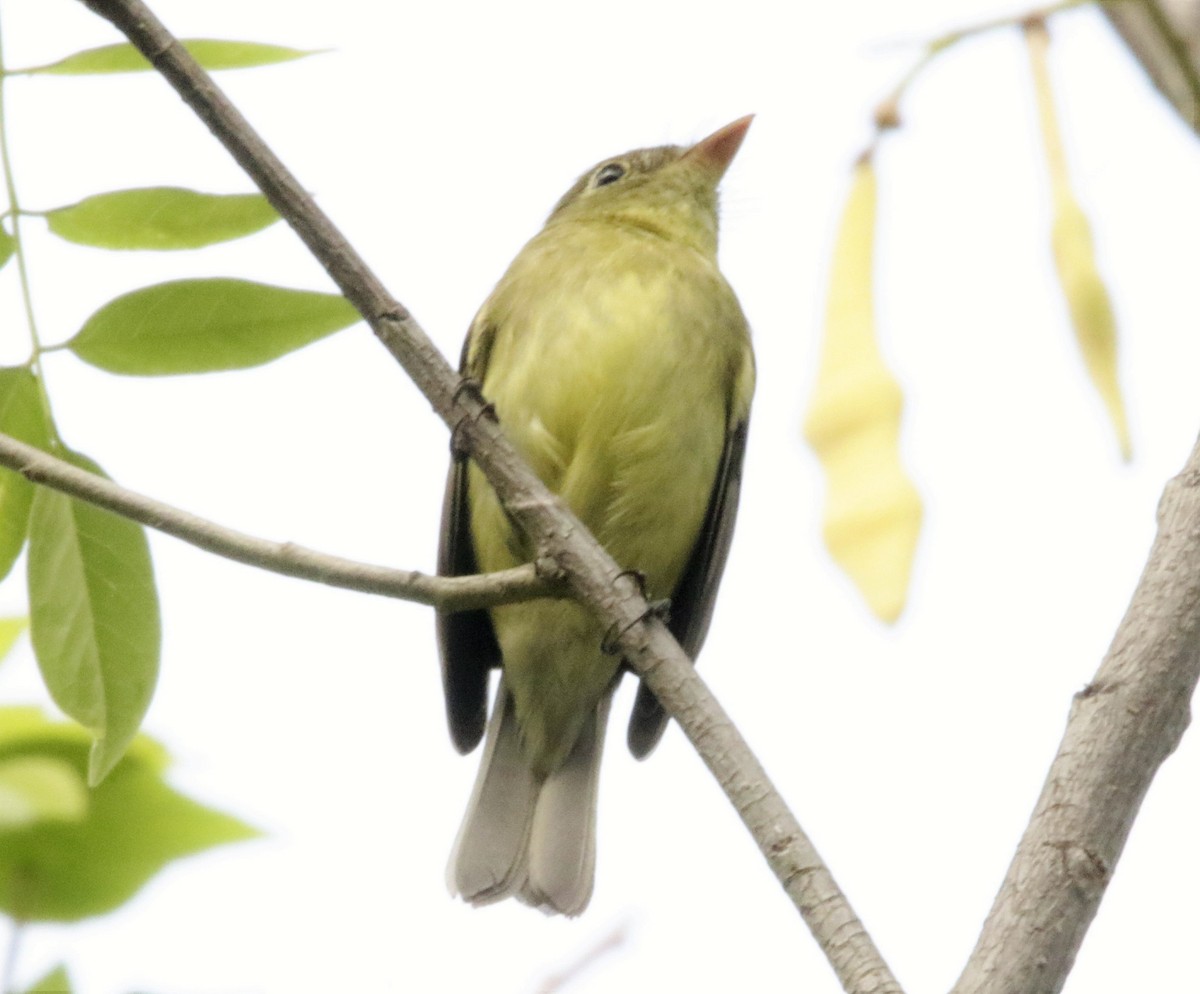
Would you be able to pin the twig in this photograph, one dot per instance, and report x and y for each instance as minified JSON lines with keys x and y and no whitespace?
{"x":887,"y":117}
{"x":561,"y":979}
{"x":10,"y":957}
{"x":449,"y":593}
{"x":1121,"y":728}
{"x":595,"y":579}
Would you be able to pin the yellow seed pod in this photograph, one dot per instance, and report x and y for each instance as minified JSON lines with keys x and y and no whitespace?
{"x":872,"y":509}
{"x":1090,"y":308}
{"x":1074,"y":251}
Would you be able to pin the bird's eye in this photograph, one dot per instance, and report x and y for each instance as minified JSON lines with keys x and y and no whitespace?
{"x":608,"y":174}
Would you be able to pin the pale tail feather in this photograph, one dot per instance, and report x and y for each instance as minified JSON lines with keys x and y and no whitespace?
{"x":562,"y":838}
{"x":489,"y":855}
{"x":539,"y":844}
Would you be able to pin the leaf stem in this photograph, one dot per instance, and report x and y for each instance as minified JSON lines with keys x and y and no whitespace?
{"x":14,"y":211}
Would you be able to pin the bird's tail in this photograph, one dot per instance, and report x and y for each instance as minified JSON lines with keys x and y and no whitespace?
{"x":529,"y":838}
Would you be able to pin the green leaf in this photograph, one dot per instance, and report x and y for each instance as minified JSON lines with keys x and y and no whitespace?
{"x":94,"y":617}
{"x":21,"y":417}
{"x":202,"y":326}
{"x":163,"y":217}
{"x":10,"y":631}
{"x":135,"y":824}
{"x":39,"y":788}
{"x":54,"y":982}
{"x":8,"y":245}
{"x":211,"y":53}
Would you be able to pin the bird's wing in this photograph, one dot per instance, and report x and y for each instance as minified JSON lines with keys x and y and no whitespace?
{"x":466,"y":642}
{"x":696,"y":593}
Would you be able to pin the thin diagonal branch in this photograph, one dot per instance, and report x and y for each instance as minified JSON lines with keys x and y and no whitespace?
{"x":595,"y":579}
{"x":560,"y":980}
{"x":458,"y":593}
{"x":1121,"y":728}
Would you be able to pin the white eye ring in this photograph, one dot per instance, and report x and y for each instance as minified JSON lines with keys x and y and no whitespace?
{"x":609,"y":173}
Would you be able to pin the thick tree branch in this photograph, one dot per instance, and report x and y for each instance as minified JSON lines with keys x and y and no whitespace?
{"x":1121,"y":728}
{"x":594,"y":578}
{"x":457,"y":593}
{"x":1164,"y":35}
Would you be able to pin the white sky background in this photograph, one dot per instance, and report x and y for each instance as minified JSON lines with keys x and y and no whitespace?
{"x":438,"y":136}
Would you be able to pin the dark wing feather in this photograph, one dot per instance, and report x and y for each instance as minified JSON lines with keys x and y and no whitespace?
{"x":694,"y":596}
{"x":466,"y":641}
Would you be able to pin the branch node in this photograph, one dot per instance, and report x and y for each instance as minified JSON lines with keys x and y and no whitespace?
{"x":1083,"y":868}
{"x":1095,"y":689}
{"x":549,"y":568}
{"x":395,"y":313}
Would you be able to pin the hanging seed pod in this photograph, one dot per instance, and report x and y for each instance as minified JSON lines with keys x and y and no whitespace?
{"x":872,"y":510}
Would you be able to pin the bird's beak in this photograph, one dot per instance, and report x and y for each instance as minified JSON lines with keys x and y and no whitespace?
{"x":717,"y":150}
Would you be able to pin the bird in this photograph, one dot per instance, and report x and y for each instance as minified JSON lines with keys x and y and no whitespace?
{"x":619,"y":363}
